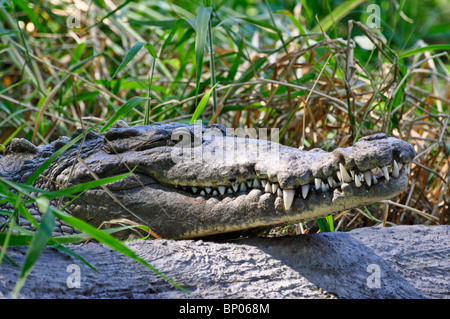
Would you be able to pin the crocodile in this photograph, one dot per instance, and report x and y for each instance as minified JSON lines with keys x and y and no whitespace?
{"x":195,"y":180}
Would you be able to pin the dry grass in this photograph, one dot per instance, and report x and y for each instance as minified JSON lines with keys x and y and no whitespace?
{"x":320,"y":90}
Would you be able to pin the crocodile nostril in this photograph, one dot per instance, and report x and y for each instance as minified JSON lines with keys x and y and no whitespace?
{"x":404,"y":152}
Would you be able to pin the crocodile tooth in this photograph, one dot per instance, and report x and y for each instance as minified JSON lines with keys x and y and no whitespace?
{"x":395,"y":169}
{"x":339,"y":176}
{"x":194,"y":189}
{"x":345,"y":177}
{"x":249,"y":183}
{"x":331,"y":181}
{"x":385,"y":172}
{"x":407,"y":169}
{"x":268,"y":188}
{"x":352,"y":173}
{"x":202,"y":193}
{"x":274,"y":188}
{"x":279,"y":192}
{"x":368,"y":177}
{"x":400,"y":165}
{"x":243,"y":188}
{"x":317,"y":183}
{"x":305,"y":190}
{"x":288,"y":198}
{"x":357,"y":181}
{"x":256,"y":184}
{"x":221,"y":189}
{"x":208,"y":189}
{"x":230,"y":191}
{"x":374,"y":180}
{"x":235,"y":186}
{"x":380,"y":172}
{"x":263,"y":182}
{"x":215,"y":193}
{"x":324,"y":186}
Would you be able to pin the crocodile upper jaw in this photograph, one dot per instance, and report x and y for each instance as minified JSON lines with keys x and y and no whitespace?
{"x":174,"y":211}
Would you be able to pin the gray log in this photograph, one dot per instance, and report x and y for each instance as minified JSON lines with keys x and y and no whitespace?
{"x":409,"y":261}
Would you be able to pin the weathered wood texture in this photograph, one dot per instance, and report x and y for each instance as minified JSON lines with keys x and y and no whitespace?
{"x":413,"y":262}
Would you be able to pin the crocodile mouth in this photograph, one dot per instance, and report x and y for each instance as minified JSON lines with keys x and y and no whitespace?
{"x":187,"y":185}
{"x":337,"y":181}
{"x":341,"y":179}
{"x":201,"y":210}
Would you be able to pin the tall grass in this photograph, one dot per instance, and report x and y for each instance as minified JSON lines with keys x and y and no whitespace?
{"x":314,"y":69}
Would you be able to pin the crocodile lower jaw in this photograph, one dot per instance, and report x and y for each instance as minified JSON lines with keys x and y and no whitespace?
{"x":257,"y":208}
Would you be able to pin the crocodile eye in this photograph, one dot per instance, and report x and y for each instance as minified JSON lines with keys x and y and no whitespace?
{"x":120,"y":133}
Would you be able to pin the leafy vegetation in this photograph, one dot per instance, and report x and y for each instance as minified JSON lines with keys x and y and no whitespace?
{"x":323,"y":72}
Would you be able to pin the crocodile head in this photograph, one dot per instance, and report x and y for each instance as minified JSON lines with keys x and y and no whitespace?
{"x":193,"y":181}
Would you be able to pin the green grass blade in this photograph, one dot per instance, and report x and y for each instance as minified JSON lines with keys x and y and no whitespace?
{"x":173,"y":30}
{"x":330,"y":222}
{"x":322,"y":225}
{"x":234,"y":67}
{"x":127,"y":107}
{"x":204,"y":14}
{"x":432,"y":47}
{"x":129,"y":56}
{"x":336,"y":15}
{"x":262,"y":24}
{"x":24,"y":5}
{"x":5,"y":242}
{"x":249,"y":73}
{"x":66,"y":192}
{"x":152,"y":52}
{"x":13,"y":135}
{"x":326,"y":224}
{"x":25,"y":213}
{"x":201,"y":106}
{"x":52,"y":158}
{"x":119,"y":7}
{"x":25,"y":239}
{"x":151,"y":49}
{"x":109,"y":241}
{"x":23,"y":188}
{"x":293,"y":20}
{"x":91,"y":184}
{"x":212,"y":65}
{"x":74,"y":254}
{"x":78,"y":52}
{"x":164,"y":24}
{"x":8,"y":33}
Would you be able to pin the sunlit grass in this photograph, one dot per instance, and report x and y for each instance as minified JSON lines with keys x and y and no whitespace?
{"x":67,"y":65}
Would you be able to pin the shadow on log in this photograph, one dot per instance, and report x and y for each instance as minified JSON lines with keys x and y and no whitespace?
{"x":397,"y":262}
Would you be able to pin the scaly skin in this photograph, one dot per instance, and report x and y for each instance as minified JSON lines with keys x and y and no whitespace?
{"x":223,"y":184}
